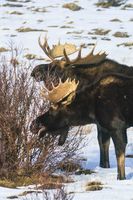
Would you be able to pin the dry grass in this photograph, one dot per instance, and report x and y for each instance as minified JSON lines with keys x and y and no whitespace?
{"x":108,"y":3}
{"x":69,"y":166}
{"x":121,"y":34}
{"x":94,"y":185}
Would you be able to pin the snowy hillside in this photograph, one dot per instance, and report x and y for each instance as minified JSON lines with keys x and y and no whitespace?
{"x":112,"y":29}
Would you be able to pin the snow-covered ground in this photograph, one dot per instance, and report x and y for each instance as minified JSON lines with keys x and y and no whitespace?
{"x":113,"y":189}
{"x":75,"y":26}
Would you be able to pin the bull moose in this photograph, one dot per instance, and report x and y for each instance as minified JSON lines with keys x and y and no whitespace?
{"x":108,"y":102}
{"x":86,"y":70}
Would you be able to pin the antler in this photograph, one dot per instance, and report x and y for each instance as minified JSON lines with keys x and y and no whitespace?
{"x":63,"y":50}
{"x":89,"y":59}
{"x":57,"y":50}
{"x":45,"y":47}
{"x":59,"y":92}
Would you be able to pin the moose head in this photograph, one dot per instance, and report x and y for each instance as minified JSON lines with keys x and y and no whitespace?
{"x":61,"y":64}
{"x":58,"y":119}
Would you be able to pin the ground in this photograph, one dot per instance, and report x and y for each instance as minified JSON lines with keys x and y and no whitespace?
{"x":111,"y":28}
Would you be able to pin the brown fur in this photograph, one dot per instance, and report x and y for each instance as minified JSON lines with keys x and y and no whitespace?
{"x":86,"y":74}
{"x":110,"y":106}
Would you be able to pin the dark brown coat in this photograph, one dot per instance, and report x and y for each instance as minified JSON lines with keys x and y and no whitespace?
{"x":85,"y":74}
{"x":108,"y":102}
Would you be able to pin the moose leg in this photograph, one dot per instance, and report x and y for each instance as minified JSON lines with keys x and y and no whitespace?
{"x":63,"y":135}
{"x":62,"y":138}
{"x":119,"y":140}
{"x":104,"y":141}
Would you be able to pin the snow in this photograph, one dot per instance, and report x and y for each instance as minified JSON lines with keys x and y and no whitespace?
{"x":88,"y":18}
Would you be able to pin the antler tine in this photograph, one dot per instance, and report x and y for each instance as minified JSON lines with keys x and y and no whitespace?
{"x":102,"y":52}
{"x":90,"y":54}
{"x":90,"y":58}
{"x":76,"y":59}
{"x":92,"y":51}
{"x":79,"y":54}
{"x":66,"y":56}
{"x":45,"y":47}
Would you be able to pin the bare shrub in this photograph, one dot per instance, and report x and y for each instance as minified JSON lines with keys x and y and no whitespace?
{"x":21,"y":152}
{"x":18,"y":104}
{"x":59,"y":194}
{"x":56,"y":155}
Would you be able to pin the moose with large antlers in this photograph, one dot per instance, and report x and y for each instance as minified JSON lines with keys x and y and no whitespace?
{"x":108,"y":101}
{"x":84,"y":70}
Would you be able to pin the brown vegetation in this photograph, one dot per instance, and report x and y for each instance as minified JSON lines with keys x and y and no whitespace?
{"x":23,"y":156}
{"x":94,"y":185}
